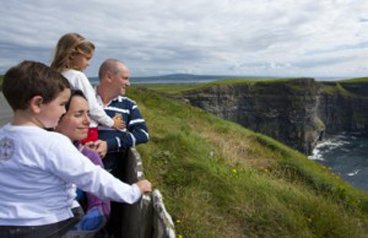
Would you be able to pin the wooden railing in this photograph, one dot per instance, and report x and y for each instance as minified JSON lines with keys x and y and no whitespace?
{"x":148,"y":218}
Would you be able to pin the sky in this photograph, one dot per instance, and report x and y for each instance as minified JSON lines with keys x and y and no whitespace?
{"x":282,"y":38}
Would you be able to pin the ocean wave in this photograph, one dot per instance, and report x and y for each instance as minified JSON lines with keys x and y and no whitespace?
{"x":345,"y":154}
{"x":355,"y":172}
{"x":316,"y":155}
{"x":330,"y":144}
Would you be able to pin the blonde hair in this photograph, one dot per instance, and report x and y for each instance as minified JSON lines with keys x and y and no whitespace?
{"x":69,"y":45}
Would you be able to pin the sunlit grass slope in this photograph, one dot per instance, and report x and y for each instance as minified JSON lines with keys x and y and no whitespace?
{"x":177,"y":88}
{"x":355,"y":80}
{"x":222,"y":180}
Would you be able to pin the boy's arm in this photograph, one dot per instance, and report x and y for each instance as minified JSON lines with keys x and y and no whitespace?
{"x":69,"y":164}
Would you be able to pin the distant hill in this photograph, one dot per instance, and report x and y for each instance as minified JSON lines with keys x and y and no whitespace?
{"x":180,"y":78}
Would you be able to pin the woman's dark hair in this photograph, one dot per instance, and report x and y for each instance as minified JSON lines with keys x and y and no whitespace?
{"x":74,"y":93}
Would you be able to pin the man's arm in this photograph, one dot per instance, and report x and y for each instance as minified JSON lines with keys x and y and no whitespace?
{"x":136,"y":133}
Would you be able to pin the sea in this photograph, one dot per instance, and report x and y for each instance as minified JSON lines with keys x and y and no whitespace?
{"x":346,"y":154}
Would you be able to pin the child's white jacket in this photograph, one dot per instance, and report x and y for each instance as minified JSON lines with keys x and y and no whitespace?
{"x":79,"y":80}
{"x":37,"y":171}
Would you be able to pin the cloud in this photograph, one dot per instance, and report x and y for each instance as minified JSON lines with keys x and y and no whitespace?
{"x":238,"y":37}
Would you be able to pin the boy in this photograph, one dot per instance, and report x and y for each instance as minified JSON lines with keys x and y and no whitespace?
{"x":38,"y":168}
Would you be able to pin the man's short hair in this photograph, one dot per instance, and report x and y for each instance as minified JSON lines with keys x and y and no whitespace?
{"x":28,"y":79}
{"x":109,"y":65}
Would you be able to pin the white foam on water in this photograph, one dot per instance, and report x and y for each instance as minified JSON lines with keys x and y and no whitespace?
{"x":355,"y":172}
{"x":331,"y":144}
{"x":344,"y":154}
{"x":316,"y":155}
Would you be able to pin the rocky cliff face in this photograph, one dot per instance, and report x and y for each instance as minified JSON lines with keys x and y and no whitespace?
{"x":344,"y":107}
{"x":295,"y":112}
{"x":284,"y":110}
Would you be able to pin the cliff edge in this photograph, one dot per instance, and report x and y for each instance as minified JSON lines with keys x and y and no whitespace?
{"x":296,"y":112}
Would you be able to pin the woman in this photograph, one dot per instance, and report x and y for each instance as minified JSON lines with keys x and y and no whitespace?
{"x":74,"y":124}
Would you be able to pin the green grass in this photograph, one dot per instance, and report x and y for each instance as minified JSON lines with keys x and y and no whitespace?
{"x":339,"y":89}
{"x":222,"y":180}
{"x":355,"y":80}
{"x":181,"y":88}
{"x":330,"y":89}
{"x":168,"y":88}
{"x":334,"y":88}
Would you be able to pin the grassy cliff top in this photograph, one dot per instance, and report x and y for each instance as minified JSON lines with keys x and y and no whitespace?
{"x":355,"y":80}
{"x":222,"y":180}
{"x":179,"y":88}
{"x":357,"y":87}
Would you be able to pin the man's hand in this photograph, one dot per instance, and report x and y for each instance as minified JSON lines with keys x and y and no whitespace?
{"x":118,"y":122}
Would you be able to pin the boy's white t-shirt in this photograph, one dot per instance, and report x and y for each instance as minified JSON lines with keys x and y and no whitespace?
{"x":78,"y":80}
{"x":37,"y":171}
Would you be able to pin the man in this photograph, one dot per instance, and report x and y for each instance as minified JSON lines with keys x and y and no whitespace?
{"x":114,"y":81}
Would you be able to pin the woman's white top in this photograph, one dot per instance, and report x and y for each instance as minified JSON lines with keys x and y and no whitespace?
{"x":37,"y":170}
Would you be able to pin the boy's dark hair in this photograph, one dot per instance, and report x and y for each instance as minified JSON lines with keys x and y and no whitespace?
{"x":28,"y":79}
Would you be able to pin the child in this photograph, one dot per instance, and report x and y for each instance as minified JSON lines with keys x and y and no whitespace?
{"x":72,"y":55}
{"x":38,"y":168}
